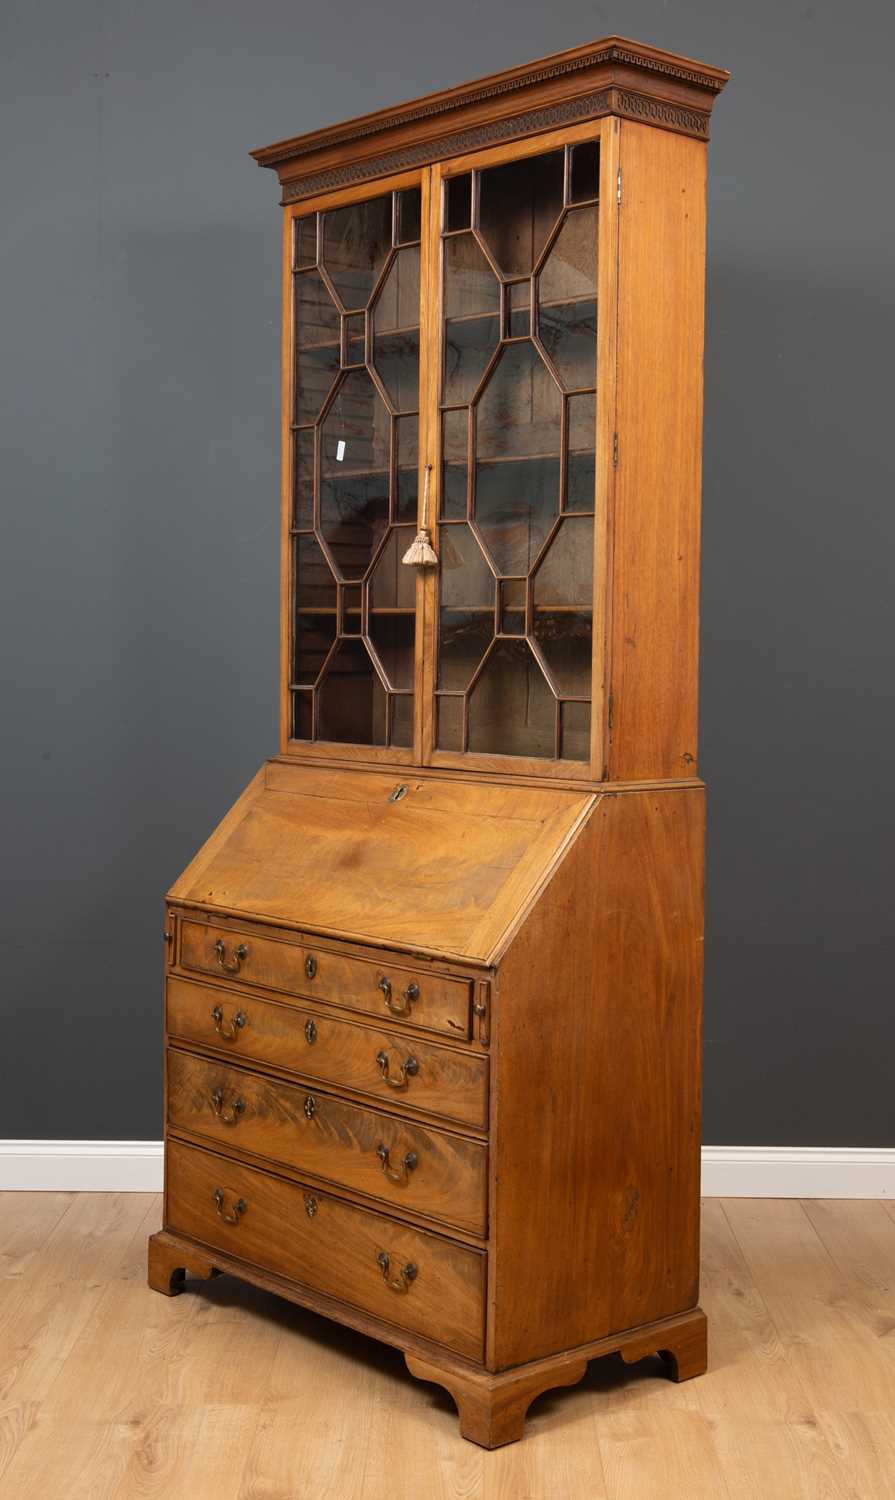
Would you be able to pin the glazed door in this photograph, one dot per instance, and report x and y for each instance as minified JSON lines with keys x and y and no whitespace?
{"x":441,"y":355}
{"x":519,"y":528}
{"x":351,"y":465}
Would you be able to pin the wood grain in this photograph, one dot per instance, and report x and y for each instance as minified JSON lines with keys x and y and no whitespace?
{"x":146,"y":1408}
{"x":595,"y":1141}
{"x":654,"y":639}
{"x":334,"y":1248}
{"x":434,"y":871}
{"x":441,"y":1004}
{"x":441,"y":1081}
{"x":329,"y":1138}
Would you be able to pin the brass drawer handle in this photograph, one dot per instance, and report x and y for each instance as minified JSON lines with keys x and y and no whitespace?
{"x":411,"y":993}
{"x":239,"y":1207}
{"x":230,"y":965}
{"x":231,"y":1032}
{"x":396,"y":1174}
{"x":227,"y":1116}
{"x":408,"y":1069}
{"x":400,"y":1283}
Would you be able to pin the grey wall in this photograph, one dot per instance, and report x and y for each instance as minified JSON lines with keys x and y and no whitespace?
{"x":138,"y":552}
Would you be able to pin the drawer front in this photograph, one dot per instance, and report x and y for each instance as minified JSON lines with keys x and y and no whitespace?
{"x":384,"y":1064}
{"x":406,"y":1164}
{"x":390,"y":991}
{"x":406,"y":1276}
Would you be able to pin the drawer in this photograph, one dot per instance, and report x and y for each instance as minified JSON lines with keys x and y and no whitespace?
{"x":371,"y":1060}
{"x":407,"y":1276}
{"x":407,"y":1164}
{"x":385,"y":989}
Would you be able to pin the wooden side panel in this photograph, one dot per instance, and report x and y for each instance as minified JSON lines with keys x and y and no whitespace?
{"x":595,"y":1185}
{"x":655,"y":582}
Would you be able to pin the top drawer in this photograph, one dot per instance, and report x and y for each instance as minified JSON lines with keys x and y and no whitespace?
{"x":434,"y":1002}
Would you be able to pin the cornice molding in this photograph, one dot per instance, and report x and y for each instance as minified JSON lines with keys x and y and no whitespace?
{"x":673,"y":92}
{"x":586,"y":106}
{"x":602,"y":54}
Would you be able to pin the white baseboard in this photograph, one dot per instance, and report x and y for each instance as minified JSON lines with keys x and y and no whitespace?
{"x":727,"y":1171}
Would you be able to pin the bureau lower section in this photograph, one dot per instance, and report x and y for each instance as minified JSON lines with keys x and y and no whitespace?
{"x":406,"y":1276}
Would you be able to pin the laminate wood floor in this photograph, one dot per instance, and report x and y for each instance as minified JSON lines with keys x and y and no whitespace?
{"x":112,"y":1392}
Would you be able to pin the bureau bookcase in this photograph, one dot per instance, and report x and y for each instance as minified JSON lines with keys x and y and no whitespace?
{"x":433,"y":985}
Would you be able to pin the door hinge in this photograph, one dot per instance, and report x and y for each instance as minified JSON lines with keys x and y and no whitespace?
{"x":615,"y":450}
{"x":610,"y":711}
{"x":618,"y":186}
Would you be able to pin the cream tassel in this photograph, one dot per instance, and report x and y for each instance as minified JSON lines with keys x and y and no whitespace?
{"x":421,"y":553}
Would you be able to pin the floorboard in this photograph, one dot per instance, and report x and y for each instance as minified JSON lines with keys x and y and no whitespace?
{"x":111,"y":1392}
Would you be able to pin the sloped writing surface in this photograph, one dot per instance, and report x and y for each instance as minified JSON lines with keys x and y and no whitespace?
{"x":449,"y":867}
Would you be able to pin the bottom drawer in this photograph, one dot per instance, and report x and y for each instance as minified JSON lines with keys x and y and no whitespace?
{"x":406,"y":1276}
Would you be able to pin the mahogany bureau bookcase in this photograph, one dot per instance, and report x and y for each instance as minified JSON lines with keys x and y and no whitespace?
{"x":433,"y":988}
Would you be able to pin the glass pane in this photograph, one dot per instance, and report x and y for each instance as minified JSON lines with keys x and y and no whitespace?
{"x":449,"y":723}
{"x":407,"y":461}
{"x":455,"y":427}
{"x":566,"y":575}
{"x":393,"y":638}
{"x":519,"y":310}
{"x":303,"y":478}
{"x":458,"y":202}
{"x":315,"y":587}
{"x":396,"y":339}
{"x":356,"y":241}
{"x":408,"y":228}
{"x":511,"y":709}
{"x":472,"y":317}
{"x":314,"y":634}
{"x":318,"y":356}
{"x":393,"y":584}
{"x":567,"y":290}
{"x":512,"y":606}
{"x":351,"y":702}
{"x":354,"y":474}
{"x":564,"y":637}
{"x":519,"y":205}
{"x":518,"y":427}
{"x":304,"y":242}
{"x":402,"y":721}
{"x":585,"y":174}
{"x":581,"y":482}
{"x":575,"y":731}
{"x":466,"y":620}
{"x":355,"y":339}
{"x":351,"y":622}
{"x":302,"y":716}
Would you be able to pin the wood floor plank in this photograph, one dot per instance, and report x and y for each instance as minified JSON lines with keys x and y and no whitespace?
{"x":814,"y":1308}
{"x":97,"y":1237}
{"x":112,"y":1392}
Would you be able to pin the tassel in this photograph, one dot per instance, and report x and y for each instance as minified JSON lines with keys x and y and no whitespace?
{"x":421,"y":553}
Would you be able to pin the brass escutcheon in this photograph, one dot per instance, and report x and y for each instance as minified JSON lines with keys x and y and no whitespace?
{"x":310,"y":1205}
{"x":400,"y":1283}
{"x":310,"y":1107}
{"x":230,"y":965}
{"x":310,"y":1032}
{"x":310,"y":966}
{"x":408,"y":1069}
